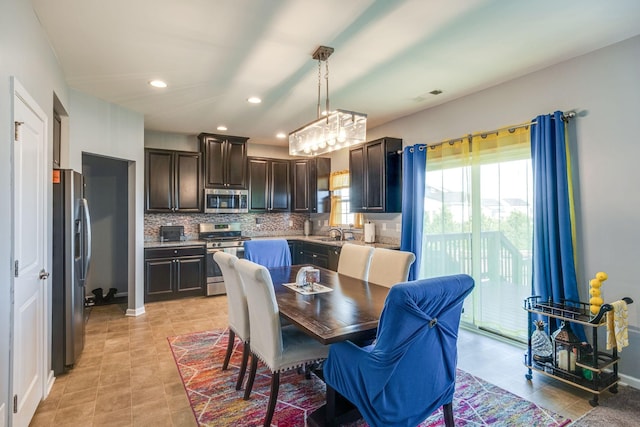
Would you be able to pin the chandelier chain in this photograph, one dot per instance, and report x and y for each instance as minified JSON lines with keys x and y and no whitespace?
{"x":319,"y":85}
{"x":326,"y":77}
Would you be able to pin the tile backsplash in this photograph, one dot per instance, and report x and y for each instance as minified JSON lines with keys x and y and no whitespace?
{"x":272,"y":224}
{"x":252,"y":225}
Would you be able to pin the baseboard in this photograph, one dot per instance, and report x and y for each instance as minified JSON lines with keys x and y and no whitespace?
{"x":630,"y":381}
{"x":135,"y":312}
{"x":51,"y":378}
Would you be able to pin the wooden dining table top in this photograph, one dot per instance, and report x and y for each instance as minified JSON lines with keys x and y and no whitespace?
{"x":350,"y":312}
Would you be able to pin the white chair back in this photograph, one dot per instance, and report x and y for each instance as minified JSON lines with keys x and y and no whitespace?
{"x":389,"y":266}
{"x":236,"y":299}
{"x":264,"y":316}
{"x":354,"y":260}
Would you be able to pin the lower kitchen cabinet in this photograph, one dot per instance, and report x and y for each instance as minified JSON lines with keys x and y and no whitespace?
{"x":325,"y":256}
{"x":171,"y":273}
{"x":333,"y":258}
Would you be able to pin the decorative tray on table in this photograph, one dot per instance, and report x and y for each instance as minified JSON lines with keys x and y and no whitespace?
{"x":316,"y":288}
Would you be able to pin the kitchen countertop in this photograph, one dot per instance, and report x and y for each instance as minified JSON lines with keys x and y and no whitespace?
{"x":313,"y":239}
{"x":324,"y":241}
{"x":159,"y":244}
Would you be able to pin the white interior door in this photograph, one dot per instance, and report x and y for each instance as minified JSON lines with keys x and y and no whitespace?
{"x":29,"y":249}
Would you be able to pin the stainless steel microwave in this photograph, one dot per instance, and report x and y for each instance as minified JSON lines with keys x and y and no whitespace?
{"x":226,"y":201}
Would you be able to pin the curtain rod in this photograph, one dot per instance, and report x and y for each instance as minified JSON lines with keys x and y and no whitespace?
{"x":565,"y":118}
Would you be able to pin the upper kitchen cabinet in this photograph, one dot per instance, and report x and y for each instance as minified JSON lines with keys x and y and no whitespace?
{"x":269,"y":185}
{"x":225,"y":161}
{"x":173,"y":181}
{"x":376,"y":176}
{"x":310,"y":182}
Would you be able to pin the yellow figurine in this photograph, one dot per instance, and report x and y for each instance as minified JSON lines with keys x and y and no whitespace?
{"x":594,"y":290}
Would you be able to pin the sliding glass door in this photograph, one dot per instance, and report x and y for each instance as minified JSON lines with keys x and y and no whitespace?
{"x":478,"y":221}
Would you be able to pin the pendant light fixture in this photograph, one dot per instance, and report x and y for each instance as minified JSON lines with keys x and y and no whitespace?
{"x":332,"y":130}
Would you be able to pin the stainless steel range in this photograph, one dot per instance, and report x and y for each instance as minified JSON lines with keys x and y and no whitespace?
{"x":226,"y":237}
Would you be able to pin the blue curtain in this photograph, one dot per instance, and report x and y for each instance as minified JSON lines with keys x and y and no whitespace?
{"x":414,"y":163}
{"x":554,"y":271}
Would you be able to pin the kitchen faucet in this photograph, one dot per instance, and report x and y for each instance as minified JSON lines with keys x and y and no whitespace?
{"x":339,"y":230}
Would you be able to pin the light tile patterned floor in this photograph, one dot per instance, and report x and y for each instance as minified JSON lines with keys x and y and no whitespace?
{"x":126,"y":375}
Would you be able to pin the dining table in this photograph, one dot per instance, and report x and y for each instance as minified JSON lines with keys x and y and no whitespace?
{"x":350,"y":310}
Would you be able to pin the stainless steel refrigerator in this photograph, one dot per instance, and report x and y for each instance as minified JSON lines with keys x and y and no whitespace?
{"x":71,"y":258}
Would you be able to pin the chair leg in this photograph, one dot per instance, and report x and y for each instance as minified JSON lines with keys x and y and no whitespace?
{"x":273,"y":398}
{"x":252,"y":377}
{"x":227,"y":357}
{"x":330,"y":409}
{"x":243,"y":366}
{"x":447,"y":409}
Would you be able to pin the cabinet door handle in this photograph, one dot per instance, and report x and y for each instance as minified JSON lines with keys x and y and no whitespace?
{"x":315,"y":255}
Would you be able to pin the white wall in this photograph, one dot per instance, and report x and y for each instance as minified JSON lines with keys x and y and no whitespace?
{"x":25,"y":54}
{"x":100,"y":128}
{"x":604,"y":88}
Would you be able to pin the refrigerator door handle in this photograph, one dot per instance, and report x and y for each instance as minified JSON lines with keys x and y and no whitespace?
{"x":87,"y":231}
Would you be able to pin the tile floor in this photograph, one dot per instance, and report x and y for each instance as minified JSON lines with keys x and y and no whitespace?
{"x":126,"y":375}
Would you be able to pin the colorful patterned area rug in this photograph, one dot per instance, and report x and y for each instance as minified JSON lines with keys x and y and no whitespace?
{"x":216,"y":402}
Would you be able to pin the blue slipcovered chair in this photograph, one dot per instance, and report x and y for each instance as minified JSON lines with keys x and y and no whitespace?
{"x":410,"y":371}
{"x":268,"y":252}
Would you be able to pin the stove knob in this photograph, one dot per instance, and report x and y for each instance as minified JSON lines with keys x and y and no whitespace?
{"x":218,"y":244}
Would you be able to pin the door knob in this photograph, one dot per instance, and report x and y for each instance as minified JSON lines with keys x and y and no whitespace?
{"x":43,"y":274}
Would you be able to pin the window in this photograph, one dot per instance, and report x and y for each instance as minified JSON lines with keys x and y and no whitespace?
{"x":341,"y":215}
{"x":478,"y":221}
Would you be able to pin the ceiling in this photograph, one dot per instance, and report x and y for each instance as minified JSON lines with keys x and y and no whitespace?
{"x":214,"y":54}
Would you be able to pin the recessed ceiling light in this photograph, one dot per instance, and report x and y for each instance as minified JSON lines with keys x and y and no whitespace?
{"x":221,"y":127}
{"x":281,"y":135}
{"x":158,"y":83}
{"x":254,"y":100}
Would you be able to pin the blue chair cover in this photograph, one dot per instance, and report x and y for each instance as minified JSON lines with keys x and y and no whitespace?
{"x":410,"y":371}
{"x":268,"y":252}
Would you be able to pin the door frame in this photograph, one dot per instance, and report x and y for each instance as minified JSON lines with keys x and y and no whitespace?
{"x":17,"y":89}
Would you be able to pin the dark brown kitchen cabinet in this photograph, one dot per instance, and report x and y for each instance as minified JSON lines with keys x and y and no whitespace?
{"x":269,"y":185}
{"x":173,"y":181}
{"x":334,"y":258}
{"x":376,"y":176}
{"x":318,"y":254}
{"x":171,"y":273}
{"x":225,"y":161}
{"x":310,"y":185}
{"x":315,"y":254}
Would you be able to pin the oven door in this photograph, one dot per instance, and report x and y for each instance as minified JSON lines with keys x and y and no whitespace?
{"x":215,"y":281}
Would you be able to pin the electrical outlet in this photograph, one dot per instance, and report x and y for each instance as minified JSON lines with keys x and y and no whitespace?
{"x":319,"y":223}
{"x":290,"y":223}
{"x":326,"y":222}
{"x":384,"y":226}
{"x":259,"y":220}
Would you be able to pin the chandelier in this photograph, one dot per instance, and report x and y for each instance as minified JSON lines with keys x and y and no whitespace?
{"x":332,"y":130}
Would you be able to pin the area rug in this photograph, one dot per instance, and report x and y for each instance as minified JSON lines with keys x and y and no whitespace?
{"x":216,"y":402}
{"x":619,"y":410}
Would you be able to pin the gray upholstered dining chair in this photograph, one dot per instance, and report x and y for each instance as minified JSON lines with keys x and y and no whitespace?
{"x":354,"y":260}
{"x":238,"y":311}
{"x":280,"y":348}
{"x":389,"y":267}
